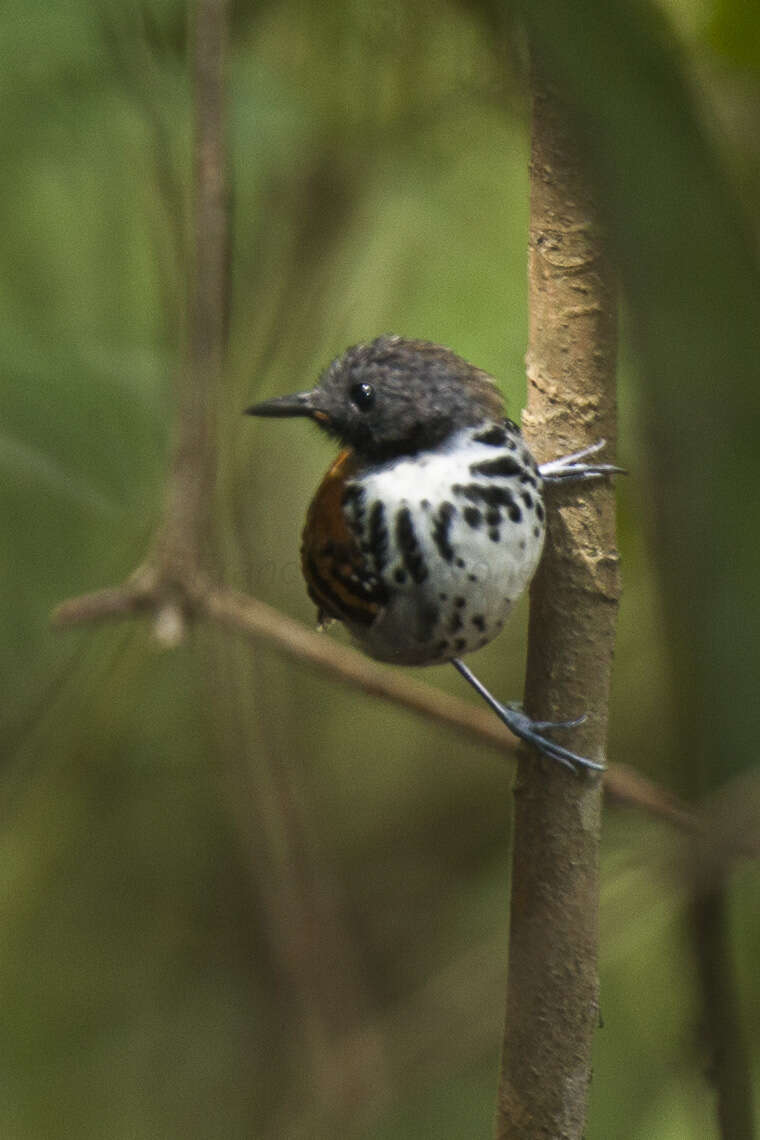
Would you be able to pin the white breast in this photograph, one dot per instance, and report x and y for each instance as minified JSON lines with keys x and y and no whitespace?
{"x":456,"y":542}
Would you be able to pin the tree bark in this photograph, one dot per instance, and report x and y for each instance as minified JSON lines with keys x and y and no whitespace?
{"x":552,"y":993}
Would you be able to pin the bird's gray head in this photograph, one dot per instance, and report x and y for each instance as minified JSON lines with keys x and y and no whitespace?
{"x":394,"y":397}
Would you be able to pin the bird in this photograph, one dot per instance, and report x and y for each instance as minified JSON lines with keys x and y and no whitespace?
{"x":430,"y":523}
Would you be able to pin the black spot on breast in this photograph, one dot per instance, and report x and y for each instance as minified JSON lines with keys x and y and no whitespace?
{"x":460,"y":563}
{"x":502,"y":466}
{"x":515,"y":513}
{"x":488,"y":494}
{"x":527,"y":498}
{"x":472,"y":517}
{"x":425,"y":504}
{"x":493,"y":516}
{"x":441,"y":530}
{"x":455,"y":623}
{"x":460,"y":602}
{"x":443,"y":597}
{"x":441,"y":648}
{"x":400,"y":575}
{"x":526,"y":477}
{"x":377,"y":537}
{"x":494,"y":534}
{"x":495,"y":436}
{"x":406,"y":537}
{"x":459,"y":644}
{"x":540,"y":512}
{"x":427,"y":621}
{"x":536,"y":531}
{"x":479,"y":622}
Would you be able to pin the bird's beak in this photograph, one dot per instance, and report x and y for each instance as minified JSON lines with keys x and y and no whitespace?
{"x":299,"y":404}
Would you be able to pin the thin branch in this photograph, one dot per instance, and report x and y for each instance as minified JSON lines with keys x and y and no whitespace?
{"x":552,"y":1006}
{"x":252,"y":618}
{"x":101,"y":605}
{"x":186,"y":529}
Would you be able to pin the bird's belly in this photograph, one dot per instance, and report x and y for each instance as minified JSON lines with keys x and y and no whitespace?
{"x":457,"y":612}
{"x":454,"y":557}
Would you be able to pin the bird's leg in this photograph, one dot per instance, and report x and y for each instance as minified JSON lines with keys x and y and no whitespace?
{"x":531,"y":731}
{"x":568,"y":467}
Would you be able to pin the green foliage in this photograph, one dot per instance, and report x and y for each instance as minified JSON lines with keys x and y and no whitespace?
{"x":237,"y":900}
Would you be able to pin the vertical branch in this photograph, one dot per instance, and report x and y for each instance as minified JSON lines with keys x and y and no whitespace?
{"x":552,"y":994}
{"x":191,"y":478}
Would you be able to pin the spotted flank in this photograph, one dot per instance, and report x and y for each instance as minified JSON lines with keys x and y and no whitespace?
{"x":503,"y":465}
{"x":378,"y":539}
{"x":493,"y":497}
{"x":494,"y":436}
{"x":409,"y":547}
{"x":443,"y":546}
{"x":340,"y":580}
{"x":442,"y":530}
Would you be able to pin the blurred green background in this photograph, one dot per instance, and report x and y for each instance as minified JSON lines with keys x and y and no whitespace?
{"x":237,"y":900}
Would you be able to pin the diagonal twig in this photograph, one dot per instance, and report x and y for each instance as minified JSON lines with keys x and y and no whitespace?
{"x":252,"y":618}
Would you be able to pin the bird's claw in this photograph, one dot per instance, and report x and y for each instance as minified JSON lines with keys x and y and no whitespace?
{"x":532,"y":732}
{"x":568,"y":468}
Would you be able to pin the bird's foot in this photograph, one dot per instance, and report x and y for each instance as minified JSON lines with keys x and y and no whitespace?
{"x":531,"y":731}
{"x":569,"y":468}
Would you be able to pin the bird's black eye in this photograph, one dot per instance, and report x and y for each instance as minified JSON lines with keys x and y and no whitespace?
{"x":362,"y":395}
